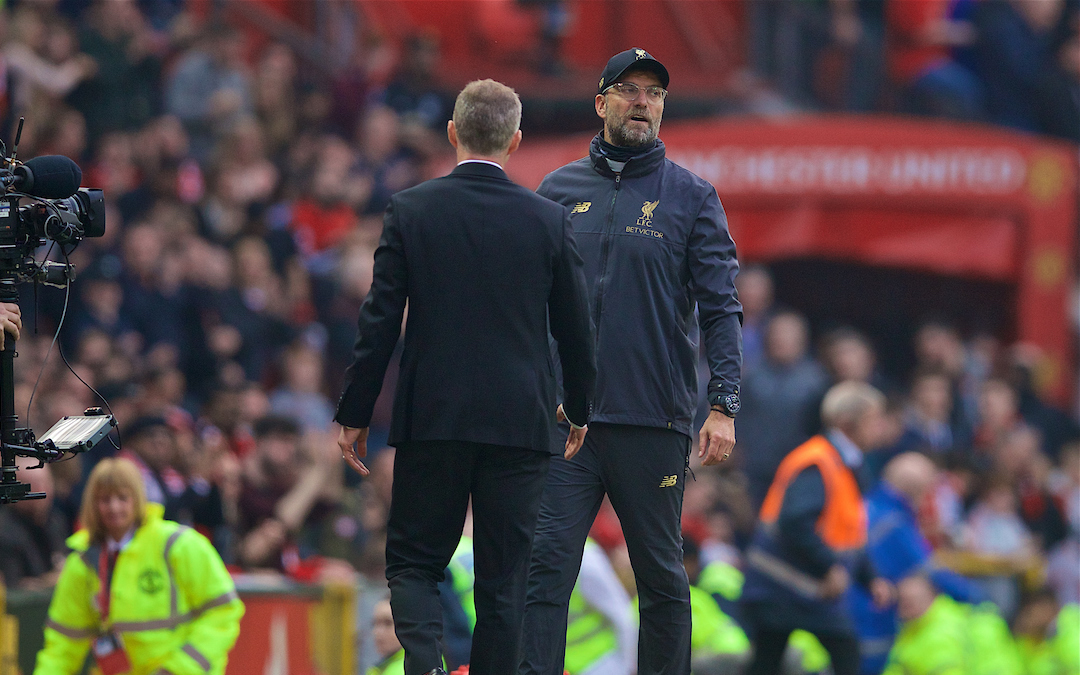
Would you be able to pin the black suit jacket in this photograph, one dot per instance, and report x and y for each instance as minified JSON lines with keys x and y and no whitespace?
{"x":486,"y":266}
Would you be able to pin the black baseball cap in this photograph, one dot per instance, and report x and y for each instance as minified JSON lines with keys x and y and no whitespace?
{"x":635,"y":59}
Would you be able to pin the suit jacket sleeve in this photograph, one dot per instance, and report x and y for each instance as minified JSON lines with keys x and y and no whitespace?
{"x":379,"y":327}
{"x":571,"y":326}
{"x":713,"y":267}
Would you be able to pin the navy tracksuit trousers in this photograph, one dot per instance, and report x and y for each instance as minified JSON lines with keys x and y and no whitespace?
{"x":643,"y":472}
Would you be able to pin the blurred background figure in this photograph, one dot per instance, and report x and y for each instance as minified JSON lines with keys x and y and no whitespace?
{"x":719,"y":644}
{"x":778,"y":400}
{"x":211,"y":88}
{"x":922,"y":36}
{"x":601,"y":632}
{"x":811,"y":538}
{"x":755,"y":286}
{"x":413,"y":92}
{"x":939,"y":635}
{"x":898,"y":549}
{"x":928,"y":420}
{"x":32,"y":533}
{"x":170,"y":478}
{"x":391,"y":655}
{"x":848,"y":355}
{"x":288,"y":491}
{"x":300,"y":396}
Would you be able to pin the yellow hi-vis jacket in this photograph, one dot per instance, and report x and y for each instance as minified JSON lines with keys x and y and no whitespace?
{"x":172,"y":602}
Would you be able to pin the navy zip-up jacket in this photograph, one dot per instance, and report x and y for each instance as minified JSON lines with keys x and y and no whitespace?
{"x":655,"y":241}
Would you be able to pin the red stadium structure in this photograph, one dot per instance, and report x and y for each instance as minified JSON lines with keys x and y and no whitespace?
{"x":963,"y":201}
{"x":700,"y":41}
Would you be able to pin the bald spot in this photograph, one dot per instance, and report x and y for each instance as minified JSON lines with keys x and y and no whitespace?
{"x":911,"y":474}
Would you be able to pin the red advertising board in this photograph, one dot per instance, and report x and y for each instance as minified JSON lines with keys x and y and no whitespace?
{"x":275,"y":636}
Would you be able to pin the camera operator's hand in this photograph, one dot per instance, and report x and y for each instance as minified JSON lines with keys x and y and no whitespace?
{"x":10,"y":321}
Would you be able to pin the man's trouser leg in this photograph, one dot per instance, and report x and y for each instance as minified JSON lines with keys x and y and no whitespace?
{"x":769,"y":647}
{"x":843,"y":652}
{"x":506,"y":488}
{"x":644,"y":472}
{"x":427,"y":512}
{"x":572,"y":496}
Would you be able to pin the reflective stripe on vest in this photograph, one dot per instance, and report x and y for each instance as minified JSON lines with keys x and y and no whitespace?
{"x":842,"y":523}
{"x":173,"y":598}
{"x":196,"y":656}
{"x":177,"y":619}
{"x":140,"y":626}
{"x":784,"y":573}
{"x":71,"y":632}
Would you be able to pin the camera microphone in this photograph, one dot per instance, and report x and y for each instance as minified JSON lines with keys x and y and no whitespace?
{"x":47,"y":177}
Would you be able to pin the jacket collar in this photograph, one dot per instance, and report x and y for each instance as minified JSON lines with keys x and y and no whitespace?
{"x":849,"y":452}
{"x":639,"y":165}
{"x":479,"y":169}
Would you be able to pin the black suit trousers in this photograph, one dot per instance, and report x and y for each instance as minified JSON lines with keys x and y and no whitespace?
{"x":433,"y":481}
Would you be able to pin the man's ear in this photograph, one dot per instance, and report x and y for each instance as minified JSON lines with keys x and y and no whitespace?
{"x":515,"y":142}
{"x":601,"y":106}
{"x":451,"y":133}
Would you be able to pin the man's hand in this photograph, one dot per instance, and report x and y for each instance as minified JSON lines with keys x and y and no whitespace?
{"x":883,"y":592}
{"x":716,"y":439}
{"x":346,"y":440}
{"x":260,"y":545}
{"x":10,"y":321}
{"x":835,"y":583}
{"x":576,"y":438}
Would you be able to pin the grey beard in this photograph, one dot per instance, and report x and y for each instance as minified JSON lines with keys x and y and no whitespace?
{"x":624,"y":137}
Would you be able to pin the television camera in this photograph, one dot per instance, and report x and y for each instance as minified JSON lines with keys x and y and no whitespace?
{"x":41,"y":202}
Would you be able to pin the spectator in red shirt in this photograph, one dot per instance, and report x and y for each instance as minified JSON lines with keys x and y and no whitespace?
{"x":921,"y":35}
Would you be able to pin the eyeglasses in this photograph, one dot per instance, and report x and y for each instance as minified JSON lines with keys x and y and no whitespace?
{"x":629,"y":91}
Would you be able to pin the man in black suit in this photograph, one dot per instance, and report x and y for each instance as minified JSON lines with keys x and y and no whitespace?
{"x":486,"y":267}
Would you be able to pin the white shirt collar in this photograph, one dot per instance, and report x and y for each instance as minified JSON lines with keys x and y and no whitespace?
{"x":850,"y":452}
{"x":114,"y":546}
{"x":480,"y":161}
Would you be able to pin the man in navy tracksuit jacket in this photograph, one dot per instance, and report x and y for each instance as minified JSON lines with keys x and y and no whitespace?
{"x":655,"y":242}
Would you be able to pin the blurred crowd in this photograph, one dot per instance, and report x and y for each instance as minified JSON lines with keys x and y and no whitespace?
{"x":1009,"y":62}
{"x":245,"y":183}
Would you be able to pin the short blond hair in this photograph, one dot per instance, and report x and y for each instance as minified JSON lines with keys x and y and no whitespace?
{"x":846,"y":403}
{"x":111,"y":476}
{"x":487,"y":114}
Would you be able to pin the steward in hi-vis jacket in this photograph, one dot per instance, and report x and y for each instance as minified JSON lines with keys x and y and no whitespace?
{"x":170,"y":600}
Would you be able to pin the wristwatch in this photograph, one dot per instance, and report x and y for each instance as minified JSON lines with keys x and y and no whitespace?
{"x":726,"y":402}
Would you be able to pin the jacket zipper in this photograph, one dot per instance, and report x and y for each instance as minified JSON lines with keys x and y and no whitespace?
{"x":605,"y":251}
